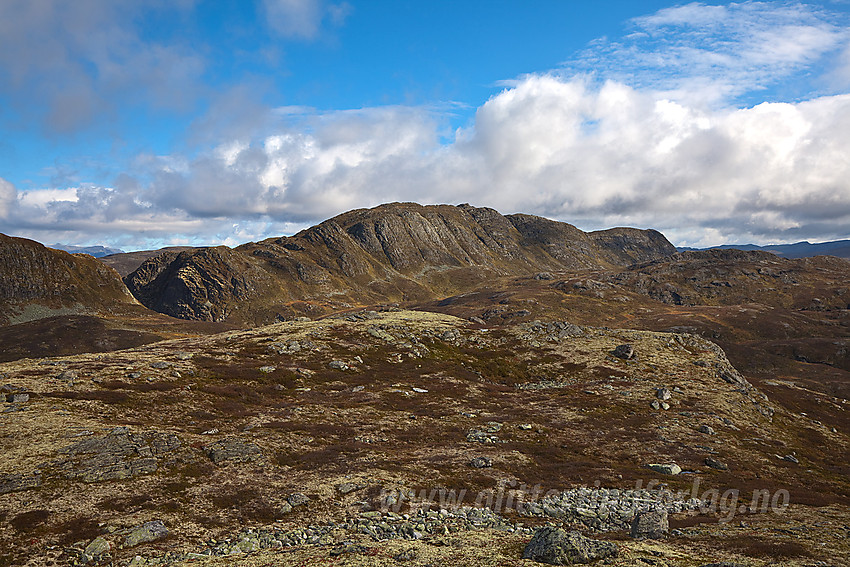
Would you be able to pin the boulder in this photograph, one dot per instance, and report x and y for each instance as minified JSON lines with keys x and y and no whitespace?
{"x":651,"y":525}
{"x":671,"y":468}
{"x":558,"y":547}
{"x":626,"y":352}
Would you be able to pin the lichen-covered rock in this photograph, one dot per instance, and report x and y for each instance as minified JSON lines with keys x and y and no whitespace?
{"x":147,"y":532}
{"x":96,"y":548}
{"x":558,"y":547}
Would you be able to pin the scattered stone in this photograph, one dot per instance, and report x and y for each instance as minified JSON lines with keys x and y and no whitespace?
{"x":544,"y":276}
{"x":672,"y":468}
{"x":481,"y":463}
{"x":358,"y":388}
{"x":663,"y":393}
{"x":284,"y":508}
{"x":665,"y":406}
{"x":791,"y":459}
{"x":650,"y":525}
{"x":477,"y":320}
{"x":485,"y":434}
{"x":134,"y":375}
{"x":297,"y":499}
{"x":18,"y":482}
{"x":420,"y":390}
{"x":558,"y":547}
{"x":233,"y":449}
{"x":526,"y":426}
{"x":655,"y":404}
{"x":707,"y":429}
{"x":160,"y":365}
{"x":18,"y":398}
{"x":338,"y":365}
{"x":626,"y":352}
{"x":715,"y":464}
{"x":213,"y":431}
{"x":267,"y":369}
{"x":147,"y":532}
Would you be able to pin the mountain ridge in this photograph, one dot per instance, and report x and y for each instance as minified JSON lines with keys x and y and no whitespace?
{"x":390,"y":253}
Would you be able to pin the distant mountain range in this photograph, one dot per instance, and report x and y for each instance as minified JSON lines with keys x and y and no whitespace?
{"x":840,"y":248}
{"x":96,"y":251}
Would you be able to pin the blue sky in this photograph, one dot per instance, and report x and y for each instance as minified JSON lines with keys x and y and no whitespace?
{"x":142,"y":124}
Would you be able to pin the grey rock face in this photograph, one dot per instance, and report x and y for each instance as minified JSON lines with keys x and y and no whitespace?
{"x":663,"y":393}
{"x":558,"y":547}
{"x":707,"y":429}
{"x":652,"y":525}
{"x":147,"y":532}
{"x":233,"y":449}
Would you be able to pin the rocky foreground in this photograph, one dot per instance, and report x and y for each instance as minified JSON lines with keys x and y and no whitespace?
{"x":403,"y":437}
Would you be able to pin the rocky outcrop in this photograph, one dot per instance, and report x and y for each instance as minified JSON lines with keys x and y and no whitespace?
{"x":37,"y":282}
{"x":395,"y":252}
{"x":118,"y":455}
{"x":205,"y":284}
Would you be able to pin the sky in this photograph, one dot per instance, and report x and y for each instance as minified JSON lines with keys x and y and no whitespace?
{"x":140,"y":124}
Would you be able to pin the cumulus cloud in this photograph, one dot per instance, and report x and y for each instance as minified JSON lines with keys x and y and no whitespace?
{"x":591,"y":151}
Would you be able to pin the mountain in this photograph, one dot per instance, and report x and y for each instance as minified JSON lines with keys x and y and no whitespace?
{"x":36,"y":281}
{"x":391,"y":253}
{"x":126,"y":263}
{"x":96,"y":251}
{"x":839,"y":248}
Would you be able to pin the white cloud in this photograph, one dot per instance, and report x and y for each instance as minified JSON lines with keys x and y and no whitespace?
{"x":8,"y":196}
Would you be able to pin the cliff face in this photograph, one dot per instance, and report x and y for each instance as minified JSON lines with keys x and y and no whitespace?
{"x":36,"y":281}
{"x":395,"y":252}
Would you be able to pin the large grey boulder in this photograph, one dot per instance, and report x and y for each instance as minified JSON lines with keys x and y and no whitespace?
{"x":558,"y":547}
{"x":650,"y":525}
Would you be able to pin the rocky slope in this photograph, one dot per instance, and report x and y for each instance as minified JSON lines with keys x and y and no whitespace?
{"x":392,"y":253}
{"x":36,"y":281}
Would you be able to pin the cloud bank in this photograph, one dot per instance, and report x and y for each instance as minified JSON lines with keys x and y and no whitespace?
{"x":673,"y":151}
